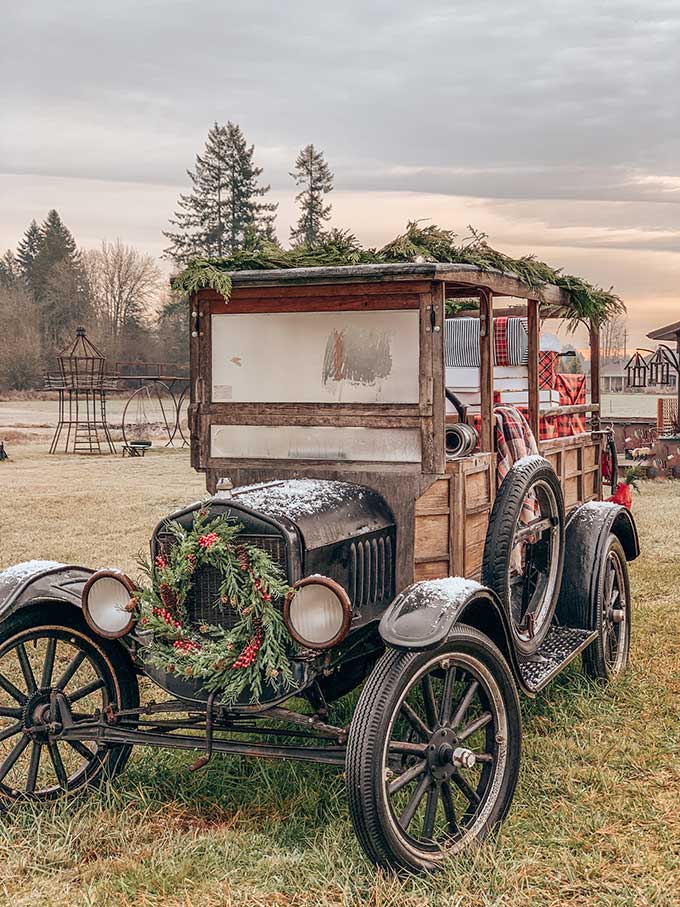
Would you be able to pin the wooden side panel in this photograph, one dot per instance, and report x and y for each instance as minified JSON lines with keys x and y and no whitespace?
{"x":431,"y":548}
{"x":576,"y":460}
{"x":451,"y":520}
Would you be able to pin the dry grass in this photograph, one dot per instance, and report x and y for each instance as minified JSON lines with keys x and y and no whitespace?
{"x":595,"y":822}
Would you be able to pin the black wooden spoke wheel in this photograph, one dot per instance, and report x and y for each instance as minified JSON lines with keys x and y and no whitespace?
{"x":433,"y":751}
{"x":42,"y":651}
{"x":524,"y":549}
{"x":610,"y":611}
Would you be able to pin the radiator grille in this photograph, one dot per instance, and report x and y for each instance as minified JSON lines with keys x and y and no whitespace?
{"x":371,"y":571}
{"x":202,"y":604}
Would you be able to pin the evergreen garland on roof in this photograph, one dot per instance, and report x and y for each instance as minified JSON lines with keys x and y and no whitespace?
{"x":418,"y":244}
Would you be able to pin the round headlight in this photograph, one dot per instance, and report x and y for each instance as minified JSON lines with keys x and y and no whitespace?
{"x":106,"y":603}
{"x":318,"y":612}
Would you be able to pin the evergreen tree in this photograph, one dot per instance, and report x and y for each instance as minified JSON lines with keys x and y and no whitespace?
{"x":312,"y":172}
{"x":56,"y":279}
{"x":9,"y":271}
{"x":214,"y":219}
{"x":27,"y":250}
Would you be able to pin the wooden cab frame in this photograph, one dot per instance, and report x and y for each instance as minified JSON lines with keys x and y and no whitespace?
{"x":441,"y":506}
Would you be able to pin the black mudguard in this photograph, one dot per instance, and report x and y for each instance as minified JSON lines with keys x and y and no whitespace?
{"x":586,"y":536}
{"x":422,"y":616}
{"x":33,"y":581}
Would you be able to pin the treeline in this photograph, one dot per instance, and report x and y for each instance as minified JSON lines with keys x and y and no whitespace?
{"x":48,"y":287}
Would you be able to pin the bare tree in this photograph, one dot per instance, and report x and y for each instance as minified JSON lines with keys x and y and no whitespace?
{"x":124,"y":284}
{"x":613,"y":338}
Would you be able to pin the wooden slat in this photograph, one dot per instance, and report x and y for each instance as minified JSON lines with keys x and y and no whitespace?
{"x":486,"y":371}
{"x":318,"y":303}
{"x":533,"y":328}
{"x":595,"y":373}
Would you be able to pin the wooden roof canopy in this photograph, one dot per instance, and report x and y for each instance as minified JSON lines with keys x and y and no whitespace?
{"x":460,"y":279}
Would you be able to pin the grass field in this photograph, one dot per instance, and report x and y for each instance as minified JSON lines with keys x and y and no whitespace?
{"x":596,"y":818}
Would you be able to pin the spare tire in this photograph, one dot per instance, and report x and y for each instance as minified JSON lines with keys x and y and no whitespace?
{"x":524,"y":551}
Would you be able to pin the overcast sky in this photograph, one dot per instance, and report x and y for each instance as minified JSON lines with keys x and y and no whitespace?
{"x":552,"y":126}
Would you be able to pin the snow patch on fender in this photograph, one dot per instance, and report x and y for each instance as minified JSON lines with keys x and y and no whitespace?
{"x":455,"y":589}
{"x":26,"y":569}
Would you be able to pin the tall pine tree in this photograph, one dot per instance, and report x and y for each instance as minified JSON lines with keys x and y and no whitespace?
{"x":312,"y":172}
{"x":222,"y":213}
{"x":28,"y":248}
{"x":54,"y":274}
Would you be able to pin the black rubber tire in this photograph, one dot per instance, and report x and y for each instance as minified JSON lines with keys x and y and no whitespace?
{"x":611,"y":452}
{"x":120,"y":678}
{"x":503,"y":523}
{"x":367,"y":797}
{"x":597,"y":663}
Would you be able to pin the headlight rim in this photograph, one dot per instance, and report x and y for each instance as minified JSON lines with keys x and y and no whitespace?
{"x":125,"y":581}
{"x":347,"y":613}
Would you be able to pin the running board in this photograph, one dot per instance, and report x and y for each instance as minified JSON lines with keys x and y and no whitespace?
{"x":561,"y":645}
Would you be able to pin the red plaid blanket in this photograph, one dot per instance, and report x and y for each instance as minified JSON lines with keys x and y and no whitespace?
{"x":572,"y":391}
{"x":514,"y":438}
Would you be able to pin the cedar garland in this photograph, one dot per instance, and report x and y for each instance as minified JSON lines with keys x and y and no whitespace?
{"x":230,"y":662}
{"x":418,"y":244}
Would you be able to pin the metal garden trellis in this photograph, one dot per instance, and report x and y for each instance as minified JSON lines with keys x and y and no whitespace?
{"x":82,"y":388}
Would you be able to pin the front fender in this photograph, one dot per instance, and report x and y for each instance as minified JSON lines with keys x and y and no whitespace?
{"x":32,"y":581}
{"x":422,"y":615}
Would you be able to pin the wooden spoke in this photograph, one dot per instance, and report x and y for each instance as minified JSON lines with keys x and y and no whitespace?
{"x":48,"y":664}
{"x":464,"y":704}
{"x":76,"y":662}
{"x":484,"y":757}
{"x":415,"y":721}
{"x":81,"y":749}
{"x":26,"y":668}
{"x":469,"y":792}
{"x":7,"y":712}
{"x":531,"y":529}
{"x":428,"y":700}
{"x":449,"y":809}
{"x":7,"y":765}
{"x":406,"y":777}
{"x":430,"y":812}
{"x":475,"y":725}
{"x":405,"y":748}
{"x":9,"y":687}
{"x":10,"y":731}
{"x":58,"y":765}
{"x":83,"y":691}
{"x":447,"y":696}
{"x":410,"y":810}
{"x":32,"y":776}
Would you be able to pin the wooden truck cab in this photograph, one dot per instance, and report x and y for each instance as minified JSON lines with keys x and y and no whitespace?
{"x":339,"y":373}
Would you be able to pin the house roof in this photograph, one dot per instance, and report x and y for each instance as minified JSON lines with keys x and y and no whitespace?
{"x":669,"y":332}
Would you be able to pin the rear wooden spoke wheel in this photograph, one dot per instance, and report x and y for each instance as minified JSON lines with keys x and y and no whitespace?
{"x":611,"y":612}
{"x":433,"y":752}
{"x":35,"y":662}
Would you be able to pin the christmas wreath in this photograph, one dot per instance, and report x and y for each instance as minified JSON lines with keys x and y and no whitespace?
{"x":256,"y":650}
